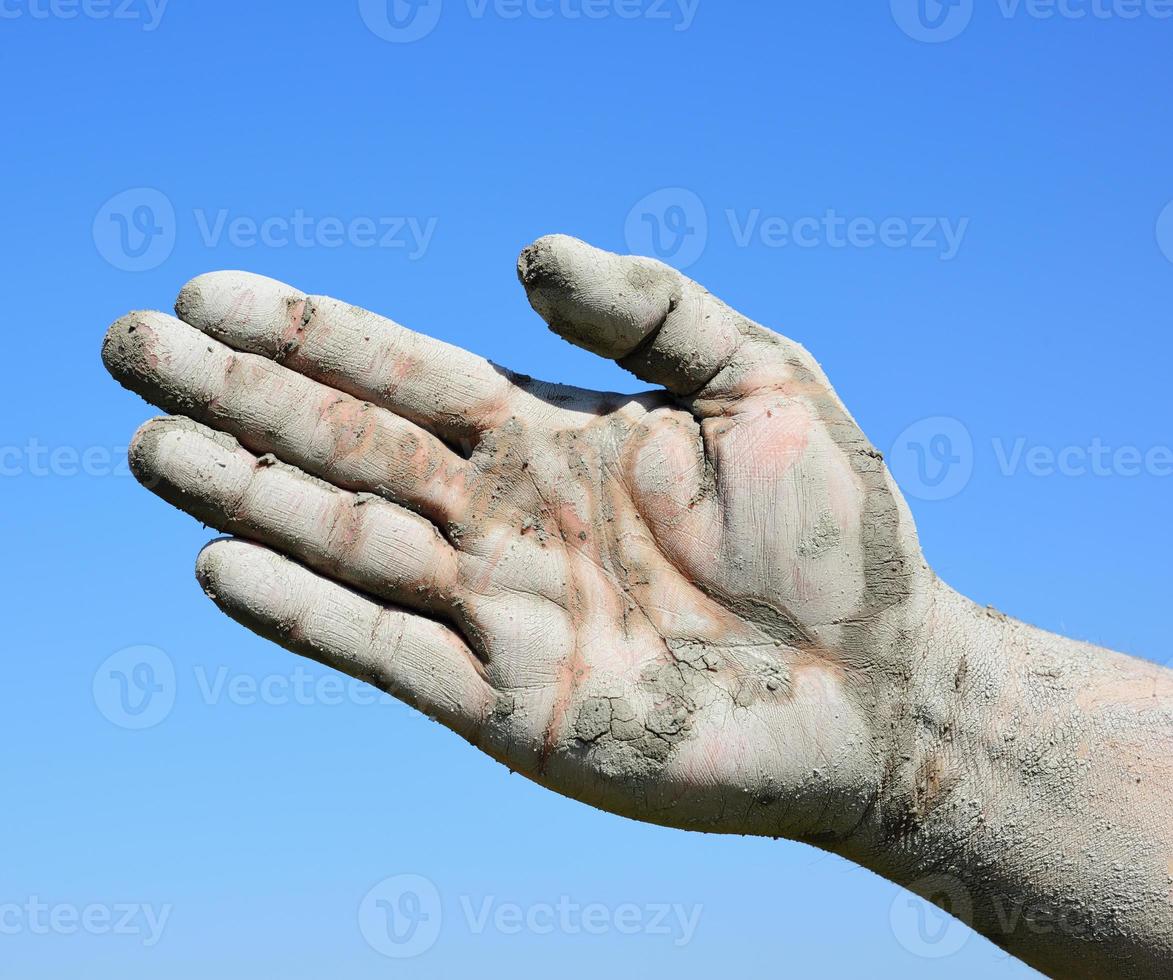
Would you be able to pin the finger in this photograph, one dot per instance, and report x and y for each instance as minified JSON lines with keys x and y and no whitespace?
{"x":416,"y":659}
{"x":357,"y":538}
{"x":657,"y":323}
{"x":271,"y":409}
{"x":449,"y":391}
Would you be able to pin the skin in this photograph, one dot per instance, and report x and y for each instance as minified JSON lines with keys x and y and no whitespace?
{"x":704,"y":606}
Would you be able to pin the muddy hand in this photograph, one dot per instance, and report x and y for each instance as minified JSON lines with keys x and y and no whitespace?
{"x":694,"y":606}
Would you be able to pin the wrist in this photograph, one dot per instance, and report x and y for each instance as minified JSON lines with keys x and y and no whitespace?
{"x":1008,"y":799}
{"x":935,"y":734}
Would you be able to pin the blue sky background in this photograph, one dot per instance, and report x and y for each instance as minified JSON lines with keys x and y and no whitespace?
{"x":262,"y":822}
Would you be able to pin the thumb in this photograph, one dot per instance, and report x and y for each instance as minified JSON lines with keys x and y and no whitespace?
{"x":655,"y":322}
{"x":661,"y":326}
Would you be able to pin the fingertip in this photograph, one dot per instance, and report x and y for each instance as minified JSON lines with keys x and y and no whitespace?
{"x":546,"y":258}
{"x":268,"y":593}
{"x":187,"y":463}
{"x":145,"y":449}
{"x":191,"y":301}
{"x":125,"y":347}
{"x":211,"y":297}
{"x":208,"y":565}
{"x":244,"y":309}
{"x":598,"y":300}
{"x":112,"y":341}
{"x":225,"y":566}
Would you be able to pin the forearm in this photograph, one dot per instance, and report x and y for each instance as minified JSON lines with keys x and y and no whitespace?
{"x":1036,"y":796}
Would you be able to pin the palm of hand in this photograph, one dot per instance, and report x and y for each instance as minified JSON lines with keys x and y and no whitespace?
{"x":675,"y":607}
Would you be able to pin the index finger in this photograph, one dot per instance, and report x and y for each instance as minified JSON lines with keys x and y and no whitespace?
{"x":452,"y":392}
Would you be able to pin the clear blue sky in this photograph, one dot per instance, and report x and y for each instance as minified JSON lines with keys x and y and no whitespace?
{"x":799,"y":151}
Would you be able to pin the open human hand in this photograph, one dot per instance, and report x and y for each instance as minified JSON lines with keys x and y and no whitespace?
{"x":702,"y":606}
{"x":695,"y":606}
